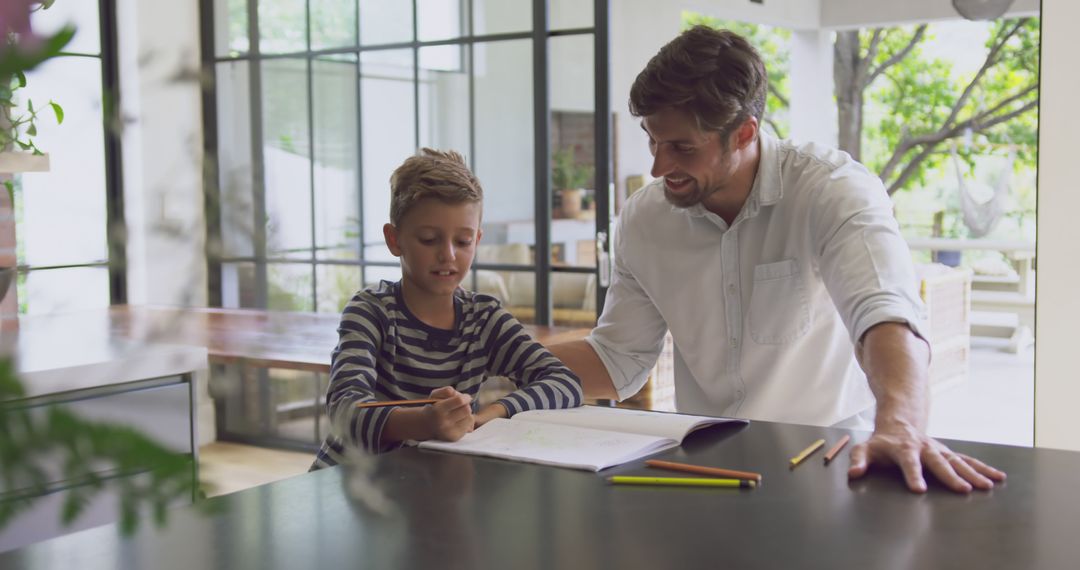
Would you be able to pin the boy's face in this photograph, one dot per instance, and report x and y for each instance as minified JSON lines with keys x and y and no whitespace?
{"x":436,"y":242}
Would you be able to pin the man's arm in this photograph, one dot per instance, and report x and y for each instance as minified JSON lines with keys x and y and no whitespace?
{"x":896,"y":363}
{"x":580,"y":357}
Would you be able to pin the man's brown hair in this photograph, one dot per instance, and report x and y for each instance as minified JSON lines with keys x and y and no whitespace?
{"x":715,"y":75}
{"x":432,"y":174}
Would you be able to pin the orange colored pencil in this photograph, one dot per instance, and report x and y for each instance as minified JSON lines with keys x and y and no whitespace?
{"x":702,"y":470}
{"x":396,"y":403}
{"x":836,"y":448}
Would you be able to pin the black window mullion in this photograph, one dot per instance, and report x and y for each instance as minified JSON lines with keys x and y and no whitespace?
{"x":211,"y":183}
{"x":542,"y":175}
{"x":602,"y":144}
{"x":258,"y":186}
{"x":116,"y":228}
{"x":311,"y":154}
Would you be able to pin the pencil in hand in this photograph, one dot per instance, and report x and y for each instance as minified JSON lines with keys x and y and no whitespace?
{"x":423,"y":402}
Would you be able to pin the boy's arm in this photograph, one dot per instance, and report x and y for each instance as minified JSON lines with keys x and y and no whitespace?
{"x":353,"y":375}
{"x":543,"y":381}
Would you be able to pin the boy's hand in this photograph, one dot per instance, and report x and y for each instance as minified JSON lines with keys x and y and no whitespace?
{"x":490,"y":412}
{"x":451,"y":417}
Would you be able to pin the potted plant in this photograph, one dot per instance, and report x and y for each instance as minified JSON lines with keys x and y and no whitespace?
{"x":568,"y":178}
{"x":20,"y":51}
{"x":948,"y":224}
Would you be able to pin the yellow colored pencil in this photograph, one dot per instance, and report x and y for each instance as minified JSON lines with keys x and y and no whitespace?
{"x":795,"y":461}
{"x":682,"y":481}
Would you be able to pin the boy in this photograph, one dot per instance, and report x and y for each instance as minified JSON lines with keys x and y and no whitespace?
{"x":424,"y":337}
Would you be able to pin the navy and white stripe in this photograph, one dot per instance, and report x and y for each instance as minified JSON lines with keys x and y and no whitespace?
{"x":385,"y":353}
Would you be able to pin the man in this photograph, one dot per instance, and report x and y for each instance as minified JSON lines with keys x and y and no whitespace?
{"x":779,"y":270}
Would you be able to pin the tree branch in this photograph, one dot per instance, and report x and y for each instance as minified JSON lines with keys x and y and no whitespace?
{"x":898,"y":56}
{"x":783,"y":100}
{"x":862,"y":66}
{"x":910,"y":169}
{"x":991,"y":60}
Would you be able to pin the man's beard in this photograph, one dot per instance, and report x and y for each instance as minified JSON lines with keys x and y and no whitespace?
{"x":686,"y":200}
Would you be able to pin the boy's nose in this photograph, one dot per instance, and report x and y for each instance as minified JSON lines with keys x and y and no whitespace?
{"x":447,"y":253}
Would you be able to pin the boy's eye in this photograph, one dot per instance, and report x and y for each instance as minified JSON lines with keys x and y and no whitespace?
{"x":428,"y":241}
{"x":464,"y":243}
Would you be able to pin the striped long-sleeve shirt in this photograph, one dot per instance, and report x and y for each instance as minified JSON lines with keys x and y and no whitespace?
{"x":385,"y":353}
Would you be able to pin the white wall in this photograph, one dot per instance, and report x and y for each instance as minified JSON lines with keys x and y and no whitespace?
{"x":162,"y":152}
{"x":861,"y":13}
{"x":1057,"y":310}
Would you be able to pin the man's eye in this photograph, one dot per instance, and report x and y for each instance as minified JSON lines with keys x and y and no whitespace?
{"x":685,"y":149}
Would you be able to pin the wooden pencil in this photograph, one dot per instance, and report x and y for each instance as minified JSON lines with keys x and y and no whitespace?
{"x":703,"y":470}
{"x":795,"y":461}
{"x":396,"y":403}
{"x":836,"y":448}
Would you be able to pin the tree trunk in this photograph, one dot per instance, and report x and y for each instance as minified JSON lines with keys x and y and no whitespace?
{"x":847,"y":82}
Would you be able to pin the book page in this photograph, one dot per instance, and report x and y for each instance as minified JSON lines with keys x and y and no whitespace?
{"x":552,"y":444}
{"x":659,"y":424}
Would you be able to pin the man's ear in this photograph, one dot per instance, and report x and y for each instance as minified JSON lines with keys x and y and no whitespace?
{"x":390,"y":234}
{"x":746,"y":133}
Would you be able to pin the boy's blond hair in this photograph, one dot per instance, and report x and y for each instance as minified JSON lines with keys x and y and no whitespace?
{"x":432,"y":174}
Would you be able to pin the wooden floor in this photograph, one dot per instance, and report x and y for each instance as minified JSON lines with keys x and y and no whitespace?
{"x":229,"y":467}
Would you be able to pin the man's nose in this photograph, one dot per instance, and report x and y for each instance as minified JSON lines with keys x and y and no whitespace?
{"x":662,"y":163}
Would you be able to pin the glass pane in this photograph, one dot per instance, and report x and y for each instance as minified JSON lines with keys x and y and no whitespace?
{"x":289,"y":287}
{"x":293,"y":398}
{"x":388,"y":119}
{"x":238,"y":288}
{"x":501,"y":16}
{"x":333,"y":23}
{"x":516,"y":290}
{"x":235,"y":173}
{"x":444,"y":99}
{"x":568,"y":14}
{"x":337,"y":284}
{"x":440,"y":19}
{"x":47,"y":291}
{"x":281,"y":26}
{"x":337,"y":157}
{"x":572,"y":151}
{"x":504,"y":164}
{"x":230,"y":27}
{"x":373,"y":275}
{"x":385,"y":22}
{"x":83,"y":15}
{"x":573,"y":299}
{"x":286,"y":148}
{"x":62,"y":212}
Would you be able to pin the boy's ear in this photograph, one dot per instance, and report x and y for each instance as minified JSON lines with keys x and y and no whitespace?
{"x":390,"y":234}
{"x":479,"y":234}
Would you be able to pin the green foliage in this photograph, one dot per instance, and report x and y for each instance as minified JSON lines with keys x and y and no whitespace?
{"x":18,"y":121}
{"x":774,"y":45}
{"x":92,"y":456}
{"x":566,"y":173}
{"x":923,"y":103}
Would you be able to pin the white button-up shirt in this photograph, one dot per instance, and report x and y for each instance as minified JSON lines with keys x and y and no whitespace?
{"x":764,"y":313}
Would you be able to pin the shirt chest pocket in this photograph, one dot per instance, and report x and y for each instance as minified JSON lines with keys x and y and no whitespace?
{"x":779,"y":312}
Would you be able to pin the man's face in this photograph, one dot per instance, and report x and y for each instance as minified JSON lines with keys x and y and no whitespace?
{"x":693,"y":163}
{"x":436,"y":243}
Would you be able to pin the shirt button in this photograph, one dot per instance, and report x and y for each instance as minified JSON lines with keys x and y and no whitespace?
{"x":739,"y":394}
{"x":731,"y":288}
{"x":734,"y":341}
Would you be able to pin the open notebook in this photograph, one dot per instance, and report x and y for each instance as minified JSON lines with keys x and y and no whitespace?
{"x":589,"y":437}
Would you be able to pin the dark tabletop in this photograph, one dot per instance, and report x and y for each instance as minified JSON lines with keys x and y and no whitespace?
{"x":453,"y":511}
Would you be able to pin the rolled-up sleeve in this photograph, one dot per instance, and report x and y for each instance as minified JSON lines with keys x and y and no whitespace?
{"x":864,"y":260}
{"x":630,"y":333}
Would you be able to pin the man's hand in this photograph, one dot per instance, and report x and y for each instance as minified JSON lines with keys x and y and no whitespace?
{"x":451,"y":417}
{"x":911,"y":451}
